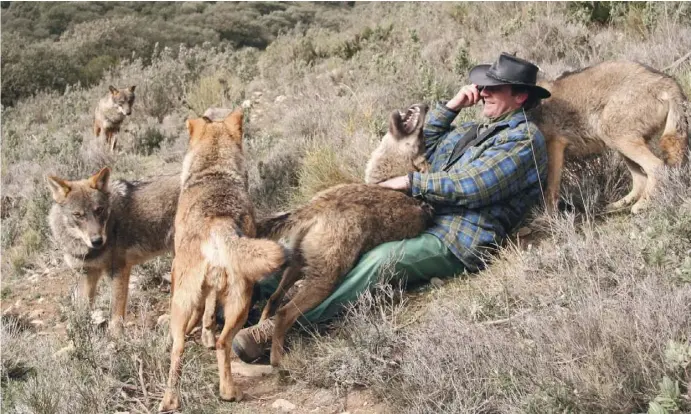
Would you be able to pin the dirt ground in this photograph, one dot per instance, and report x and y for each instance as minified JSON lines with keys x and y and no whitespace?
{"x":39,"y":298}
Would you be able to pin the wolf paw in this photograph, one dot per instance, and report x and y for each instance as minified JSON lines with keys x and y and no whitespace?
{"x":640,"y":206}
{"x":231,"y":394}
{"x":170,"y":403}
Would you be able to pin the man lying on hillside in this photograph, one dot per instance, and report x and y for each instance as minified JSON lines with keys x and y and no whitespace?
{"x":484,"y":179}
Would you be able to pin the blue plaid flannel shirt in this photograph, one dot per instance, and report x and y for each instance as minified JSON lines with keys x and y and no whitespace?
{"x":486,"y":193}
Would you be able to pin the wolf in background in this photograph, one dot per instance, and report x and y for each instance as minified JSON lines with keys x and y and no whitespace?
{"x":111,"y":112}
{"x":616,"y":104}
{"x":105,"y":227}
{"x":215,"y":252}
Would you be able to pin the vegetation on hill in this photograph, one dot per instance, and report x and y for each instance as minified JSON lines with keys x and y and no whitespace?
{"x":594,"y":316}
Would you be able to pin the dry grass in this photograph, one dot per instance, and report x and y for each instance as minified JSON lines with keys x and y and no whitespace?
{"x":585,"y":320}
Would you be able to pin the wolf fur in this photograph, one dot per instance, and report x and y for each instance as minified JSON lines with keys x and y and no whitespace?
{"x":328,"y":235}
{"x":105,"y":228}
{"x":214,"y":248}
{"x":402,"y":149}
{"x":111,"y":112}
{"x":339,"y":224}
{"x":617,"y":104}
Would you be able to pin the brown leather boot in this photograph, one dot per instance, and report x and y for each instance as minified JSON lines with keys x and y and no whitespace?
{"x":254,"y":342}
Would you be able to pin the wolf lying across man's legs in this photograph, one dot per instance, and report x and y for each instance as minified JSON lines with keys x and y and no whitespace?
{"x":412,"y":262}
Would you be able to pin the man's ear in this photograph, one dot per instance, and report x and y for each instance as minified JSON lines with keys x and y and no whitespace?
{"x":99,"y":181}
{"x":521,"y":98}
{"x":59,"y":188}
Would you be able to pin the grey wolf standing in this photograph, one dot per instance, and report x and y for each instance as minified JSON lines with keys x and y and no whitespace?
{"x":617,"y":104}
{"x":483,"y":180}
{"x":402,"y":149}
{"x":214,"y":250}
{"x":111,"y":112}
{"x":106,"y":227}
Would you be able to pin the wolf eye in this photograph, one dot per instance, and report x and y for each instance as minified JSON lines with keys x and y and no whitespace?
{"x":98,"y":211}
{"x":78,"y":214}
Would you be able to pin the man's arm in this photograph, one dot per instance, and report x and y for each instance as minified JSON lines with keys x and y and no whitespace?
{"x":439,"y":119}
{"x":501,"y":172}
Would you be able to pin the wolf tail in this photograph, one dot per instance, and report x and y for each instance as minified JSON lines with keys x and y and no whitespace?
{"x":273,"y":227}
{"x":258,"y":258}
{"x":675,"y":141}
{"x":249,"y":258}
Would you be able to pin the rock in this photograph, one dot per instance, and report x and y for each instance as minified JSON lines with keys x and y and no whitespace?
{"x":163,"y":320}
{"x":283,"y":405}
{"x":436,"y":282}
{"x":280,"y":98}
{"x":36,"y":323}
{"x":250,"y":370}
{"x":98,"y":317}
{"x":246,"y":104}
{"x":64,"y":352}
{"x":323,"y":398}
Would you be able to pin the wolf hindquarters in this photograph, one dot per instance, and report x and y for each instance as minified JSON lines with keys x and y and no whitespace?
{"x":624,"y":106}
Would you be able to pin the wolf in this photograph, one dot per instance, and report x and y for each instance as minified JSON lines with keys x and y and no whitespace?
{"x":617,"y":104}
{"x":402,"y":149}
{"x":105,"y":227}
{"x":111,"y":112}
{"x":328,"y":234}
{"x":214,"y":246}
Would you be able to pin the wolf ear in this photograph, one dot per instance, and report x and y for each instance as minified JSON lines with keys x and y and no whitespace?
{"x":395,"y":124}
{"x":196,"y":124}
{"x":113,"y":90}
{"x":58,"y":187}
{"x":132,"y":88}
{"x":99,"y":181}
{"x":234,"y":123}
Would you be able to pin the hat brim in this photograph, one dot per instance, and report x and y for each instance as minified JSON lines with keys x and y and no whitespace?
{"x":478,"y":76}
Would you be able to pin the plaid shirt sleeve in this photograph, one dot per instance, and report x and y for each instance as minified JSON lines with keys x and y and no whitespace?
{"x":500,"y":172}
{"x":437,"y":127}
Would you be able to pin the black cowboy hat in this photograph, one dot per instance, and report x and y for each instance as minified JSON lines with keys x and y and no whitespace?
{"x":508,"y":70}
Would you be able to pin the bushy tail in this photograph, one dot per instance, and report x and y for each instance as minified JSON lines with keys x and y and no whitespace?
{"x":248,"y":258}
{"x":255,"y":259}
{"x":675,"y":141}
{"x":274,"y":227}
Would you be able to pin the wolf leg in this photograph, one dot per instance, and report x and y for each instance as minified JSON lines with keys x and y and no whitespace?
{"x":209,"y":320}
{"x":637,"y":151}
{"x":236,"y":305}
{"x":178,"y":320}
{"x":89,"y":284}
{"x":120,"y":288}
{"x":639,"y":180}
{"x":309,"y":296}
{"x":555,"y":164}
{"x":290,"y":276}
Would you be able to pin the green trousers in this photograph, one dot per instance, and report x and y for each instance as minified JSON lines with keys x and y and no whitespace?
{"x":411,"y":261}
